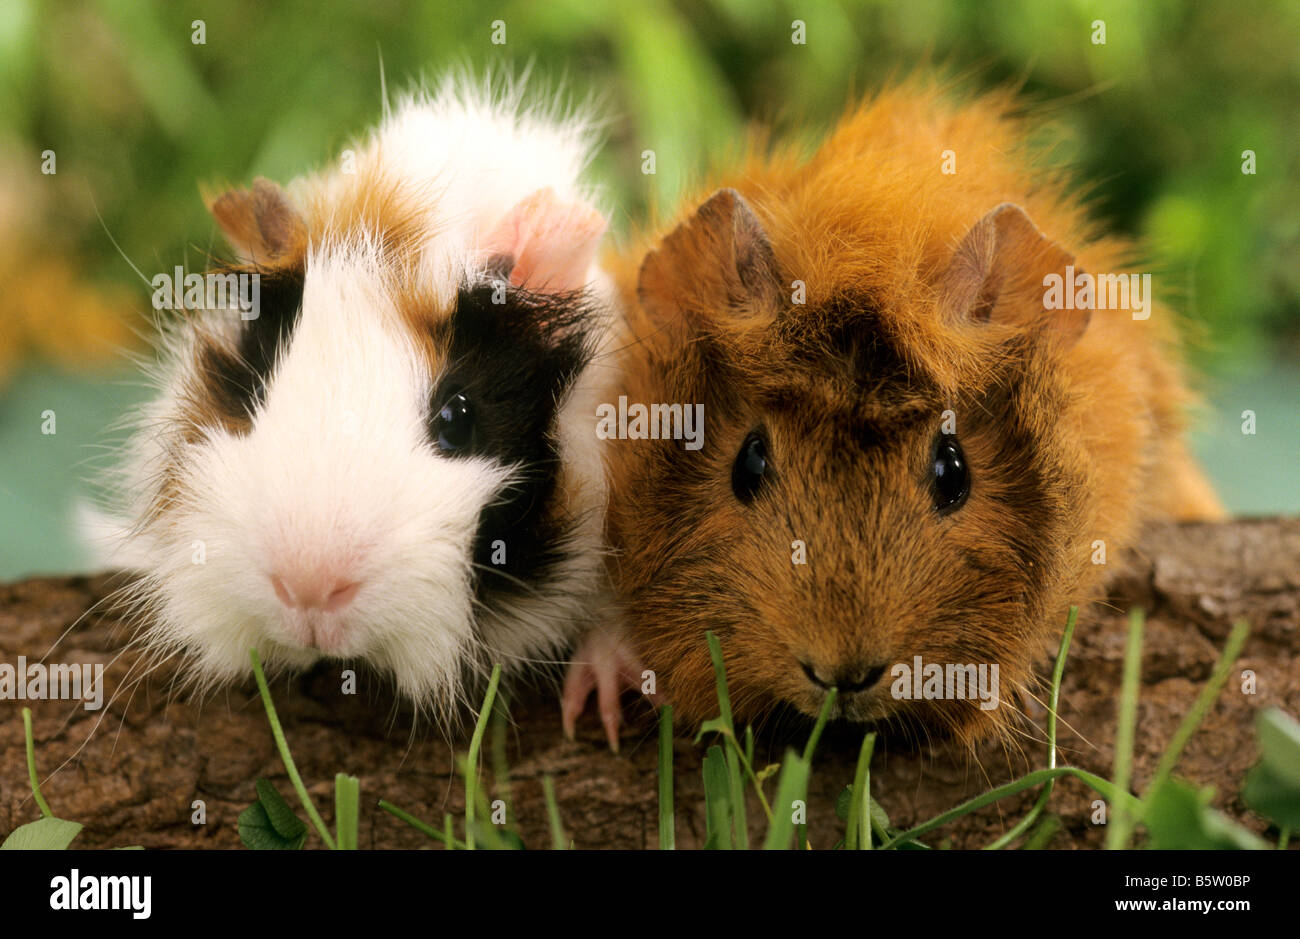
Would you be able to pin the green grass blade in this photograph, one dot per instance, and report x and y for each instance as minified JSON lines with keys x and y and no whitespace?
{"x":1043,"y":834}
{"x":798,"y":776}
{"x":857,"y":832}
{"x":724,"y":725}
{"x":1121,"y":823}
{"x":717,"y":800}
{"x":720,"y":680}
{"x":822,"y":717}
{"x":471,"y":761}
{"x":1064,"y":650}
{"x":487,"y":834}
{"x":791,"y":785}
{"x":31,"y":764}
{"x":1204,"y":701}
{"x":758,"y":788}
{"x":667,"y":821}
{"x":736,"y":784}
{"x":423,"y":827}
{"x":285,"y":757}
{"x":500,"y":740}
{"x":558,"y":840}
{"x":1109,"y":790}
{"x":806,"y":761}
{"x":347,"y":810}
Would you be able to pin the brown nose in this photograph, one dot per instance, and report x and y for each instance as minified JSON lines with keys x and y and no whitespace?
{"x":846,"y":678}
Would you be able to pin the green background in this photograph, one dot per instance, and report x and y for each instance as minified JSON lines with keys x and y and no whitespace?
{"x":1156,"y":119}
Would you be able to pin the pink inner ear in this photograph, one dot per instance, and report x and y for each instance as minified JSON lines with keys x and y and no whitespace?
{"x":553,"y":243}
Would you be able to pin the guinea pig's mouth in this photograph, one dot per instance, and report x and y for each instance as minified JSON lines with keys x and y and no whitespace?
{"x":860,"y":693}
{"x":903,"y":688}
{"x":315,"y":631}
{"x":861,"y":707}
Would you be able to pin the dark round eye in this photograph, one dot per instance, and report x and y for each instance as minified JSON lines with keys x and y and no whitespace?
{"x":951,"y":475}
{"x":749,"y":469}
{"x":453,"y":428}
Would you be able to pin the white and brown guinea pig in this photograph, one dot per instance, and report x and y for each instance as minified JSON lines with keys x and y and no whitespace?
{"x":909,"y":450}
{"x":391,"y":462}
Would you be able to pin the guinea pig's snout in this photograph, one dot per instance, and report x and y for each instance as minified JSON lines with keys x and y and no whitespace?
{"x":846,"y":677}
{"x":313,"y":597}
{"x":314,"y":587}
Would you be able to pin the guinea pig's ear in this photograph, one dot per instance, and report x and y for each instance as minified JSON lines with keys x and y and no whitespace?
{"x":998,"y":273}
{"x":545,"y":243}
{"x":261,"y":224}
{"x":719,"y":258}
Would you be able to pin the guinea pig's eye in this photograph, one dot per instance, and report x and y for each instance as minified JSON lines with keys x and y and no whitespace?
{"x":453,"y":427}
{"x":951,"y":475}
{"x":750,"y":468}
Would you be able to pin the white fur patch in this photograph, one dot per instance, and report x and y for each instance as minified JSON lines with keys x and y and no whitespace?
{"x":338,"y":467}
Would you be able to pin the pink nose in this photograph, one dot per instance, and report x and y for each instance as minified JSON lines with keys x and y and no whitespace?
{"x":314,"y":589}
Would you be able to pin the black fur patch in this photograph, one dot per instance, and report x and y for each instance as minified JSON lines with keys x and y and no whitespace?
{"x":1032,"y":501}
{"x":514,"y":361}
{"x":234,"y":380}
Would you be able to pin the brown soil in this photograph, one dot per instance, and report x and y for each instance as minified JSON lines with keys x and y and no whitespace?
{"x":131,"y":772}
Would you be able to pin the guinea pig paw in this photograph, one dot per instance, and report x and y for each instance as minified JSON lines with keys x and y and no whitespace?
{"x":605,"y":663}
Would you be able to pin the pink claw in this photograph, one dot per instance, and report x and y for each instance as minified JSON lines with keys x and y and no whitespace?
{"x":606,"y":663}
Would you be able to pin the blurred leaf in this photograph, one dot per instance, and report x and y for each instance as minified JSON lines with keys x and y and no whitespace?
{"x":878,"y":815}
{"x":842,"y":802}
{"x":666,"y":74}
{"x":1274,"y":797}
{"x":44,"y":834}
{"x":1279,"y":744}
{"x":161,"y":46}
{"x":1273,"y":787}
{"x":1178,"y":817}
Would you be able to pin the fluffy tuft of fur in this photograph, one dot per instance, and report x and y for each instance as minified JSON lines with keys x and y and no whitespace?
{"x":839,"y":306}
{"x":302,"y":437}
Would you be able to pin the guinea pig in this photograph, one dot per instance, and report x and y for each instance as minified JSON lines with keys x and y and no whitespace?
{"x":388,"y":460}
{"x":915,"y":452}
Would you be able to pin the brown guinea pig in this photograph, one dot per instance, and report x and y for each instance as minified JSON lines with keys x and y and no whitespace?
{"x":931,"y":416}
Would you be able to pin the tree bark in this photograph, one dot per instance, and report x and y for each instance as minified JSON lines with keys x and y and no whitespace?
{"x":133,"y":771}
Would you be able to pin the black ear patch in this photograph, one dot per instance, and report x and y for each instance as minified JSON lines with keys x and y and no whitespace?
{"x":499,"y":266}
{"x":513,"y":361}
{"x":234,"y":380}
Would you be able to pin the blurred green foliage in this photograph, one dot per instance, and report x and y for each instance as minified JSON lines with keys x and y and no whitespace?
{"x":1158,"y":117}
